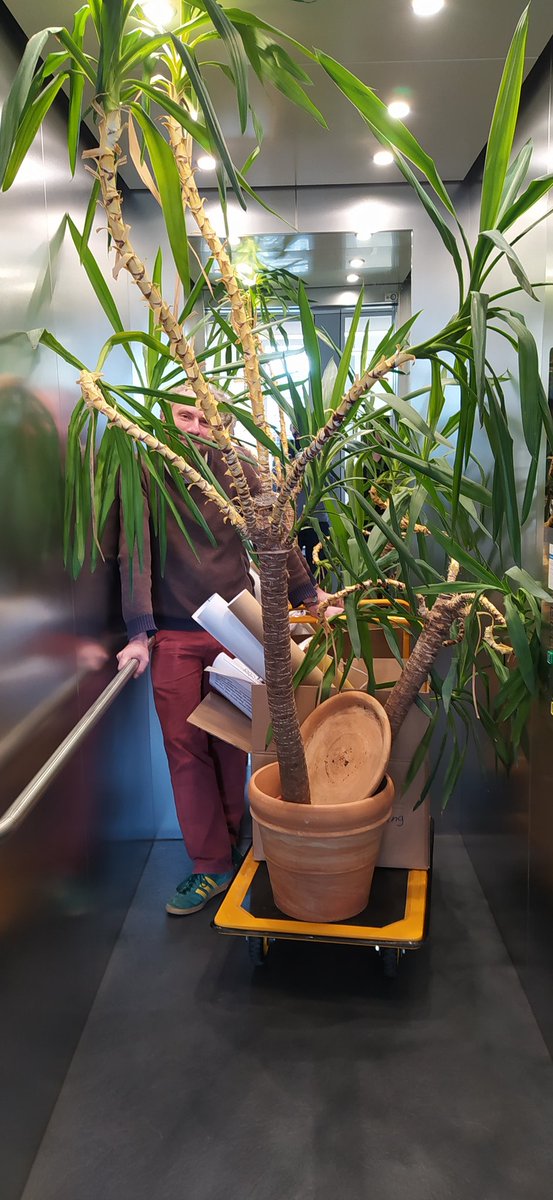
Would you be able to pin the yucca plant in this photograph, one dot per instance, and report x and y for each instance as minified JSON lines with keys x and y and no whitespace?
{"x":135,"y":68}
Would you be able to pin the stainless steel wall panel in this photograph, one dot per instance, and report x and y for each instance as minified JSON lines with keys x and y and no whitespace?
{"x":507,"y":823}
{"x":67,"y":876}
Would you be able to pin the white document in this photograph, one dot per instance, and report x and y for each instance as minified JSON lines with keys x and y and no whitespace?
{"x":233,"y":680}
{"x":214,"y":616}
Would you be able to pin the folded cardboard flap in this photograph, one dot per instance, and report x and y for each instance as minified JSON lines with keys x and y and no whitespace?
{"x":221,"y":719}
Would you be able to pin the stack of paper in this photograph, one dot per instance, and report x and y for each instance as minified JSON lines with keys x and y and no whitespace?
{"x":233,"y":680}
{"x":215,"y":616}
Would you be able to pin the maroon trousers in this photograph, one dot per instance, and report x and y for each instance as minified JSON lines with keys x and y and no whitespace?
{"x":208,"y":775}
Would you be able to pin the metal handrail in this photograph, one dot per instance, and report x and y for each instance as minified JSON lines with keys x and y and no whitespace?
{"x":16,"y":813}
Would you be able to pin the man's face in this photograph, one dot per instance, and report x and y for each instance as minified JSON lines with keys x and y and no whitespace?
{"x":190,"y":419}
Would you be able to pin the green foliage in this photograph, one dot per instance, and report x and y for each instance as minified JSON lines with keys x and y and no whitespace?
{"x":398,"y":486}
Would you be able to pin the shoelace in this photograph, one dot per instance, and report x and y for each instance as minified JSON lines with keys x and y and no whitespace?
{"x":192,"y":883}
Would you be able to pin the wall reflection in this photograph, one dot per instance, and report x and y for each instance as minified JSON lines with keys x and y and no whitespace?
{"x":67,"y":875}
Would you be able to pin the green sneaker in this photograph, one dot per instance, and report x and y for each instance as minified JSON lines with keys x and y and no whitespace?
{"x":193,"y":893}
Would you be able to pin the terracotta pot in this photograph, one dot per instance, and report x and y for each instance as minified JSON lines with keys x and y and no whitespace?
{"x":347,"y":742}
{"x":320,"y":858}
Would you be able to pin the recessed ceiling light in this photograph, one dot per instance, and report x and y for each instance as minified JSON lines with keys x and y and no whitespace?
{"x":206,"y":162}
{"x":399,"y":109}
{"x":427,"y":8}
{"x":159,"y":12}
{"x":383,"y":158}
{"x":352,"y":278}
{"x":357,"y":262}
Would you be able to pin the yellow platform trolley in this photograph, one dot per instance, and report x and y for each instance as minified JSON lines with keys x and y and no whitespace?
{"x":396,"y":919}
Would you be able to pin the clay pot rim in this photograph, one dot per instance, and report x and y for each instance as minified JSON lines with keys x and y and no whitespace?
{"x":326,"y":817}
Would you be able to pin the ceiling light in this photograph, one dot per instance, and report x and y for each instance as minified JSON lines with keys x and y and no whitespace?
{"x":369,"y":217}
{"x":357,"y":262}
{"x":206,"y":162}
{"x":352,"y":278}
{"x":234,"y":241}
{"x":383,"y":158}
{"x":427,"y":8}
{"x":398,"y":109}
{"x":159,"y":12}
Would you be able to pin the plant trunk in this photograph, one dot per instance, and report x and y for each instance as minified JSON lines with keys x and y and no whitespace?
{"x":417,"y":667}
{"x":279,"y":676}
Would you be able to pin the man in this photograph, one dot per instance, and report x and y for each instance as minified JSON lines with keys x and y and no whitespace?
{"x":208,"y":775}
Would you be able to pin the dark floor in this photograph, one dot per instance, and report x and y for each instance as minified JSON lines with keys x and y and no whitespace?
{"x":53,"y":960}
{"x":310,"y":1080}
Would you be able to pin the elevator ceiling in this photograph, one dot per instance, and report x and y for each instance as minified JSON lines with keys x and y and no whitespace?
{"x":448,"y":66}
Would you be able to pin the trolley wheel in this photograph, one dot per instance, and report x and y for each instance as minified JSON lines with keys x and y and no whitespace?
{"x":258,"y":949}
{"x":390,"y":957}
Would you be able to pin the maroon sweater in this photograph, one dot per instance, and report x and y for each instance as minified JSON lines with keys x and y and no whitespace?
{"x":153,"y":598}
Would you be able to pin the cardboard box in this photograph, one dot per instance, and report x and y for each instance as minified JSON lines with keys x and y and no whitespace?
{"x":406,"y":841}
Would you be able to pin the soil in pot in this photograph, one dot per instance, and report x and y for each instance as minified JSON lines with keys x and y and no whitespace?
{"x":320,"y":857}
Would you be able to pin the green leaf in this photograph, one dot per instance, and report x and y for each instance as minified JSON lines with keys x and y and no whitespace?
{"x":47,"y":339}
{"x":391,"y":133}
{"x":126,"y":338}
{"x":77,"y":54}
{"x":113,"y":17}
{"x":534,"y":192}
{"x":515,"y":177}
{"x":454,"y":768}
{"x":448,"y":238}
{"x":148,"y":460}
{"x":194,"y":128}
{"x":512,"y":258}
{"x":422,"y":748}
{"x":275,"y":69}
{"x":168,"y":182}
{"x":481,"y":573}
{"x":529,"y":490}
{"x":90,"y":213}
{"x":239,"y":16}
{"x":228,"y":33}
{"x":211,"y":118}
{"x":530,"y":384}
{"x":523,"y":580}
{"x":441,"y":474}
{"x":29,"y":127}
{"x":414,"y":419}
{"x":502,"y":447}
{"x":478,"y":320}
{"x":76,"y":89}
{"x":17,"y":96}
{"x":152,"y":357}
{"x":503,"y":126}
{"x":312,"y":350}
{"x":97,"y":280}
{"x":519,"y":642}
{"x":346,"y":357}
{"x":448,"y":683}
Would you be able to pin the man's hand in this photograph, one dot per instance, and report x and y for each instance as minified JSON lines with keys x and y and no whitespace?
{"x":332,"y":610}
{"x":137,"y":648}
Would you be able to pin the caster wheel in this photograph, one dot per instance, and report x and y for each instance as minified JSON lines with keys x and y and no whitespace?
{"x":390,"y":959}
{"x":258,"y":949}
